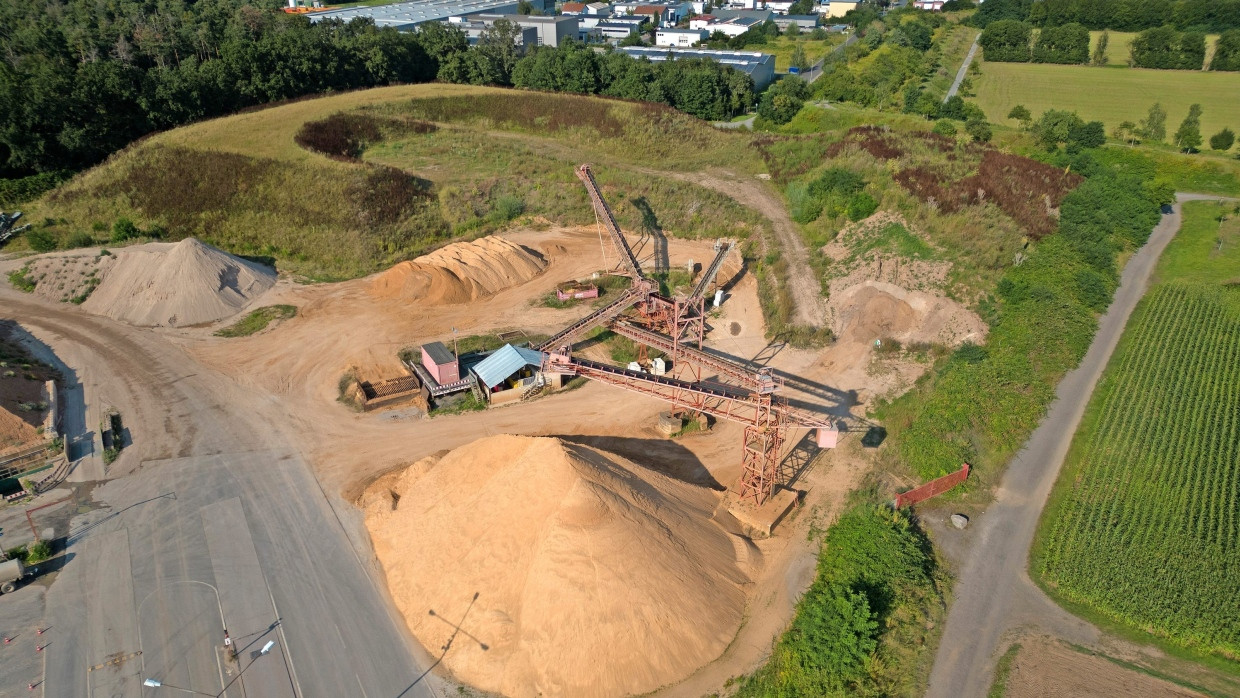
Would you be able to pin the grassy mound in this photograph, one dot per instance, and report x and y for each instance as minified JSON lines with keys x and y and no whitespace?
{"x":343,"y":186}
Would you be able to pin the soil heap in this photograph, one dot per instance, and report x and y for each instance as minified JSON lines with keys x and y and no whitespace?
{"x":460,"y":272}
{"x":177,"y":284}
{"x":594,"y":576}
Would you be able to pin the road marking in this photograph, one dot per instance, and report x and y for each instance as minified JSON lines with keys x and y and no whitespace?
{"x":288,"y":652}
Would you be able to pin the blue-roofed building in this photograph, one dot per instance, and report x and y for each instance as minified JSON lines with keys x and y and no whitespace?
{"x":510,"y":373}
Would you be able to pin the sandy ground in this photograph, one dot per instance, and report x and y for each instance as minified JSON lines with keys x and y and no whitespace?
{"x":594,"y":575}
{"x":291,"y":374}
{"x":1044,"y":668}
{"x":23,"y":402}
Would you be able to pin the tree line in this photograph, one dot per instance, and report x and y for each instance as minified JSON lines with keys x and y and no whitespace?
{"x":1207,"y":16}
{"x":81,"y":79}
{"x":1163,"y":47}
{"x":1057,"y":128}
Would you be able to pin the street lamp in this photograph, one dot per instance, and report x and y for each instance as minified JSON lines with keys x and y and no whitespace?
{"x":156,"y":683}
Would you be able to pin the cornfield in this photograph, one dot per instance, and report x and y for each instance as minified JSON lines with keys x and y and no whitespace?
{"x":1148,"y":532}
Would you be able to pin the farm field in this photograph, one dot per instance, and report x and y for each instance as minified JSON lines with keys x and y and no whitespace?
{"x":1120,"y":43}
{"x":1143,"y":525}
{"x":1108,"y":95}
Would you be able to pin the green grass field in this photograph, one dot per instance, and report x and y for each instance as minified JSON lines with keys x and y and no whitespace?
{"x":1143,"y":527}
{"x":1110,"y":96}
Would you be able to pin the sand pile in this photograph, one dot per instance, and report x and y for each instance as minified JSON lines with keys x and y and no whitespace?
{"x":460,"y":272}
{"x":595,"y":576}
{"x":177,"y":284}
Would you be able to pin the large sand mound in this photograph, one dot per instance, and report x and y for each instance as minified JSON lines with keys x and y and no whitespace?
{"x":595,"y":577}
{"x":177,"y":284}
{"x":460,"y":272}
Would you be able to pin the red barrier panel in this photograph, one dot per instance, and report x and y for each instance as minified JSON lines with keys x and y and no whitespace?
{"x":934,"y":487}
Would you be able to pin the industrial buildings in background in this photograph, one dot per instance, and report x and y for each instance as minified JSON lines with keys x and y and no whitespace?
{"x":759,"y":66}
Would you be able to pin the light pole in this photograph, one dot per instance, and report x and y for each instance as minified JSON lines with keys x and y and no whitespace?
{"x":156,"y":683}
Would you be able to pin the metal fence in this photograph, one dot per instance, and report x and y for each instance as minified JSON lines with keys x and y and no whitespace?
{"x":936,"y":486}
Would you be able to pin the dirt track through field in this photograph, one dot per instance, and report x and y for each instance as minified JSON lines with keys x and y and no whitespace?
{"x":802,"y":282}
{"x":994,"y":593}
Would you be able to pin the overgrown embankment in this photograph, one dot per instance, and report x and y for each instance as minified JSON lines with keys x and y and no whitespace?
{"x":343,"y":186}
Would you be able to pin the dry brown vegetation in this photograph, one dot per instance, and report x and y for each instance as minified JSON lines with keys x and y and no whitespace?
{"x":344,"y":186}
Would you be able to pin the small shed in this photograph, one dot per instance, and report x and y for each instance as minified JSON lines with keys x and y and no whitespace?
{"x":507,"y":368}
{"x":441,"y":363}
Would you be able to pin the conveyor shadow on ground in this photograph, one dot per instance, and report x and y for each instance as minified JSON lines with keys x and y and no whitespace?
{"x":662,"y":456}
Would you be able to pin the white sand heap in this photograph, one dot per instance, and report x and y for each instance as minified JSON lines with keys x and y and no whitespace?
{"x":595,"y":576}
{"x":177,"y":284}
{"x":460,"y":272}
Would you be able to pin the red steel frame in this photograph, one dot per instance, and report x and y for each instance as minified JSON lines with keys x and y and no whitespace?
{"x":683,"y":320}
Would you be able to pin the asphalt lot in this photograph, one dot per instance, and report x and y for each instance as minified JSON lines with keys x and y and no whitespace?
{"x":215,"y":525}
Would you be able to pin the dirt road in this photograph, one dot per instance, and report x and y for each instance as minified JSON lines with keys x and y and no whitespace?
{"x":802,"y":281}
{"x":994,"y":593}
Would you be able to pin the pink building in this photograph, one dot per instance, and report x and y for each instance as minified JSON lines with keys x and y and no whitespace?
{"x":440,"y":362}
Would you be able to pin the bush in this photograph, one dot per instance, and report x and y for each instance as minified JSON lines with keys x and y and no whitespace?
{"x":124,"y":229}
{"x":945,"y":127}
{"x":1223,"y":140}
{"x":861,"y":205}
{"x":979,"y":130}
{"x":871,"y":606}
{"x":41,"y":240}
{"x":78,"y":239}
{"x":38,"y":551}
{"x":507,"y":207}
{"x":21,"y":280}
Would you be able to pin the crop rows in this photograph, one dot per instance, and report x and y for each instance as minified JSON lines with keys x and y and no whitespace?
{"x":1148,"y":532}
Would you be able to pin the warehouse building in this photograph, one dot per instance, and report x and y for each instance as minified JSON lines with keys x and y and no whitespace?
{"x":759,"y":66}
{"x":406,"y":16}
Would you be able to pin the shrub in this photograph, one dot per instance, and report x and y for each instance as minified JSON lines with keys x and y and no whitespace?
{"x":124,"y":229}
{"x":79,"y":239}
{"x":861,"y":205}
{"x":1223,"y":140}
{"x":944,"y":127}
{"x":38,"y":551}
{"x":21,"y":280}
{"x":507,"y":207}
{"x":41,"y":240}
{"x":872,"y":603}
{"x":979,"y":130}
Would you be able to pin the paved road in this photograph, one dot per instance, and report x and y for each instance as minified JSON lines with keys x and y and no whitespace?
{"x":222,"y":527}
{"x":993,"y":593}
{"x":964,"y":68}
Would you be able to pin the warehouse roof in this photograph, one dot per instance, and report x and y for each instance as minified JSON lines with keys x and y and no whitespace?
{"x":406,"y":15}
{"x":506,"y":360}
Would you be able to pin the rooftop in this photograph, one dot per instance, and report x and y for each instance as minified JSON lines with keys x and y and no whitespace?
{"x":506,"y":361}
{"x":438,"y":353}
{"x":408,"y":14}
